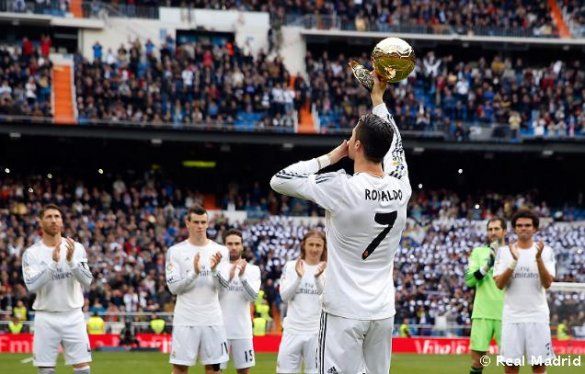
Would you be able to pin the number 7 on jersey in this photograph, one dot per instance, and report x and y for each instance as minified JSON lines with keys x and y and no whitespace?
{"x":386,"y":219}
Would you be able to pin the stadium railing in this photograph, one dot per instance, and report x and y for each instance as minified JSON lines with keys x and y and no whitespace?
{"x":334,"y":22}
{"x":97,"y":9}
{"x":91,"y":9}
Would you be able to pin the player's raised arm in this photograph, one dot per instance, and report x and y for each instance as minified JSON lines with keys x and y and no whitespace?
{"x":472,"y":268}
{"x":476,"y":270}
{"x":505,"y":265}
{"x":291,"y":280}
{"x":78,"y":264}
{"x":176,"y":281}
{"x":395,"y":160}
{"x":301,"y":179}
{"x":36,"y":273}
{"x":545,"y":260}
{"x":250,"y":279}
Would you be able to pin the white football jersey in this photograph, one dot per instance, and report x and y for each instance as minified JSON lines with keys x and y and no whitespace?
{"x":303,"y":297}
{"x":59,"y":286}
{"x":235,"y":298}
{"x":365,"y":216}
{"x":524,"y":296}
{"x":197,"y":295}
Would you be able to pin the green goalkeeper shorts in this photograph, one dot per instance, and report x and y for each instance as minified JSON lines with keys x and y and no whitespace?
{"x":482,"y":332}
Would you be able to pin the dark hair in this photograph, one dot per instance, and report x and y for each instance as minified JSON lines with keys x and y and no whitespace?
{"x":197,"y":209}
{"x":497,"y":219}
{"x":49,"y":207}
{"x":525,"y":213}
{"x":376,"y":136}
{"x":233,"y":232}
{"x":320,"y":234}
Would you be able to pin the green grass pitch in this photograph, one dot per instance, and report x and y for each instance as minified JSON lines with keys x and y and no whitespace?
{"x":155,"y":363}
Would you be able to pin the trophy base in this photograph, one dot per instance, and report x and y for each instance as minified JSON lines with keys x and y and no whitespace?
{"x":362,"y":75}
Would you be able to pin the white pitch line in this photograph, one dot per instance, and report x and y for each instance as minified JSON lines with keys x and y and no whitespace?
{"x":26,"y":360}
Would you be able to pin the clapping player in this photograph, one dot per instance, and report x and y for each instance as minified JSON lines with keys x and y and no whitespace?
{"x":524,"y":270}
{"x":56,"y":270}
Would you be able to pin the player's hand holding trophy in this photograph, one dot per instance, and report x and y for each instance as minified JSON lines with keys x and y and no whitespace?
{"x":393,"y":60}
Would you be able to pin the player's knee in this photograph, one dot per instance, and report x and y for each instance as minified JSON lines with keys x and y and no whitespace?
{"x":177,"y":369}
{"x":46,"y":370}
{"x":81,"y":369}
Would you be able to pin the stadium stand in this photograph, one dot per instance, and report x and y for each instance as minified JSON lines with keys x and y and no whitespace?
{"x":190,"y":85}
{"x":25,"y":76}
{"x":448,"y":95}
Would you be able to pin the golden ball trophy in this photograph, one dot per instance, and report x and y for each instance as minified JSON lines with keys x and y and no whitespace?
{"x":393,"y":60}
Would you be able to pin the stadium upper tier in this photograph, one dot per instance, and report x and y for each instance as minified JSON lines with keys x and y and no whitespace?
{"x":127,"y":228}
{"x":447,"y":94}
{"x":198,"y":84}
{"x":188,"y":85}
{"x":486,"y":17}
{"x":25,"y":78}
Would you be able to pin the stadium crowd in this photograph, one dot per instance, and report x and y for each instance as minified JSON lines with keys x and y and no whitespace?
{"x":193,"y":84}
{"x":574,"y":15}
{"x":446,"y":94}
{"x":127,"y":227}
{"x":201,"y":83}
{"x":25,"y":78}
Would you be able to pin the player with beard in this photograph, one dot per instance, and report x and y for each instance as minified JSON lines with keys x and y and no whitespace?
{"x":486,"y":320}
{"x":240,"y":283}
{"x":56,"y":270}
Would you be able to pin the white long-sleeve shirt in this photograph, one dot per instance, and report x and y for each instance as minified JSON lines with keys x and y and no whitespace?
{"x":197,"y":295}
{"x":365,"y":216}
{"x":524,"y":296}
{"x":235,"y":297}
{"x":303,"y":298}
{"x":59,"y":286}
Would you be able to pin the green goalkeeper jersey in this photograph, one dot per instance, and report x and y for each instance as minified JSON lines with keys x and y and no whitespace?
{"x":489,"y":300}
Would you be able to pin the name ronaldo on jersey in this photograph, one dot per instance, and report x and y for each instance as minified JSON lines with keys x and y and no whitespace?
{"x":382,"y":195}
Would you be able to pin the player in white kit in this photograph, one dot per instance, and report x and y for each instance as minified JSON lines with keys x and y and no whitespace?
{"x":524,"y":270}
{"x":56,"y":270}
{"x":365,"y":216}
{"x":191,"y":272}
{"x":301,"y":285}
{"x":240,"y":286}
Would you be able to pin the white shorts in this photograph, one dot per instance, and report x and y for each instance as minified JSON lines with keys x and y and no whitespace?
{"x":352,"y":346}
{"x":52,"y":329}
{"x":242,"y":352}
{"x":208,"y":343}
{"x":529,"y":339}
{"x":296,"y":348}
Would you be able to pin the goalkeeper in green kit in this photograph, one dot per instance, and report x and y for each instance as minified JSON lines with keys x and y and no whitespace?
{"x":486,"y":320}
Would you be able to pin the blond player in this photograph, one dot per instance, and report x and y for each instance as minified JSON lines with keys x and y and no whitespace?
{"x":301,"y":286}
{"x":524,"y":270}
{"x":56,"y":270}
{"x":366,"y":214}
{"x":191,"y":272}
{"x":240,"y":286}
